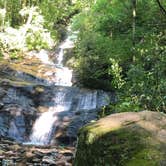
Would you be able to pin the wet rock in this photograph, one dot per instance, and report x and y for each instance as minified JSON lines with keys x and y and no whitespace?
{"x":29,"y":155}
{"x":23,"y":155}
{"x":1,"y":105}
{"x":16,"y":105}
{"x":48,"y":160}
{"x":27,"y":90}
{"x":69,"y":159}
{"x":39,"y":154}
{"x":6,"y":162}
{"x":1,"y":152}
{"x":67,"y":153}
{"x":60,"y":163}
{"x":68,"y":164}
{"x":36,"y":160}
{"x":14,"y":122}
{"x":2,"y":92}
{"x":3,"y":124}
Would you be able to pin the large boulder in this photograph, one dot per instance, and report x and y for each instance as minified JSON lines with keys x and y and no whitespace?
{"x":124,"y":139}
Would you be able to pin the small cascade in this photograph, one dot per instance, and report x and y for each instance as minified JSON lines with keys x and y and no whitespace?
{"x":60,"y":57}
{"x":40,"y":89}
{"x":88,"y":101}
{"x":63,"y":74}
{"x":63,"y":77}
{"x":46,"y":124}
{"x":43,"y":128}
{"x":65,"y":102}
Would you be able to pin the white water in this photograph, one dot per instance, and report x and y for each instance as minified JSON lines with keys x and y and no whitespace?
{"x":46,"y":124}
{"x":88,"y":101}
{"x":43,"y":127}
{"x":64,"y":74}
{"x":65,"y":100}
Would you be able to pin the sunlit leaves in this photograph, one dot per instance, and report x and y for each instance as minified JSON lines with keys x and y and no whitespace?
{"x":116,"y":72}
{"x":31,"y":35}
{"x":105,"y":51}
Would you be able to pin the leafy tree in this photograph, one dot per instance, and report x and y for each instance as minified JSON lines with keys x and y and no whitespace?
{"x":31,"y":28}
{"x":121,"y":46}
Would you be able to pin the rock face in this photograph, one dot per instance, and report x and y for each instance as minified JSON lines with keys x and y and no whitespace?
{"x":18,"y":91}
{"x":26,"y":93}
{"x":38,"y":106}
{"x":124,"y":139}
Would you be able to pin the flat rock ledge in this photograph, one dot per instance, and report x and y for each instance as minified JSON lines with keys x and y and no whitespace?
{"x":123,"y":139}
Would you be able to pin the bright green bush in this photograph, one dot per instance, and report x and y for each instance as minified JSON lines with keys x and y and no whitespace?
{"x":108,"y":58}
{"x":31,"y":35}
{"x":147,"y":79}
{"x":20,"y":31}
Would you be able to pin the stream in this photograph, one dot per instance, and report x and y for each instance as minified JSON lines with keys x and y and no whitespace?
{"x":40,"y":111}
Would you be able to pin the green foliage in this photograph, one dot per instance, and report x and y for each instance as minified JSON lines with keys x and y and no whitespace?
{"x":93,"y":66}
{"x":56,"y":14}
{"x":116,"y":71}
{"x":98,"y":47}
{"x":31,"y":35}
{"x":16,"y":55}
{"x":147,"y":78}
{"x":18,"y":31}
{"x":35,"y":42}
{"x":107,"y":58}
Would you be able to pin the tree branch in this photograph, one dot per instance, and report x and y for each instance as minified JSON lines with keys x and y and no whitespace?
{"x":161,"y":7}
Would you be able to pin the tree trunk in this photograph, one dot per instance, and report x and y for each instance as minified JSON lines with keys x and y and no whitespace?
{"x":27,"y":25}
{"x":134,"y":3}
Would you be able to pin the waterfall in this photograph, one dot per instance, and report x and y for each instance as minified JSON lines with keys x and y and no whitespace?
{"x":66,"y":101}
{"x":64,"y":74}
{"x":46,"y":124}
{"x":60,"y":57}
{"x":42,"y":128}
{"x":47,"y":121}
{"x":88,"y":101}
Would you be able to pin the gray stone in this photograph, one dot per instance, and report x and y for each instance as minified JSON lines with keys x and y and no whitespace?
{"x":48,"y":160}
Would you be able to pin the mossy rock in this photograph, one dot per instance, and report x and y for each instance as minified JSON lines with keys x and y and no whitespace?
{"x":124,"y":139}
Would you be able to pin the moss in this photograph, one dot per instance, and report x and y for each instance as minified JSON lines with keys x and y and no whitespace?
{"x":120,"y":147}
{"x":31,"y":67}
{"x":16,"y":83}
{"x":147,"y":157}
{"x":95,"y":131}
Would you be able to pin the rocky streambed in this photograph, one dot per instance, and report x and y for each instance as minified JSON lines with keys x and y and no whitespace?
{"x":21,"y":84}
{"x":39,"y":123}
{"x":13,"y":153}
{"x":28,"y":91}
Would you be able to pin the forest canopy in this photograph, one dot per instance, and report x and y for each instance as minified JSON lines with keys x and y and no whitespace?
{"x":121,"y":45}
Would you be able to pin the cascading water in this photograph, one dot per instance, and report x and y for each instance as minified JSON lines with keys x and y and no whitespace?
{"x":64,"y":74}
{"x":44,"y":125}
{"x":60,"y":57}
{"x":66,"y":101}
{"x":47,"y":122}
{"x":42,"y":128}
